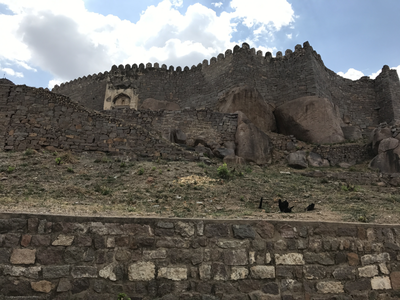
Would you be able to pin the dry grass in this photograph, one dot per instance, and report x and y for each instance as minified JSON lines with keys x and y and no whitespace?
{"x":97,"y":184}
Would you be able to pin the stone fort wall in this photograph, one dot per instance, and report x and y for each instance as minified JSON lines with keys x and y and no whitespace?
{"x":35,"y":118}
{"x":298,"y":73}
{"x":67,"y":257}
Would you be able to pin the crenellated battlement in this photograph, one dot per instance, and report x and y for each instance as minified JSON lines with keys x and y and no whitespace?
{"x":131,"y":70}
{"x":279,"y":78}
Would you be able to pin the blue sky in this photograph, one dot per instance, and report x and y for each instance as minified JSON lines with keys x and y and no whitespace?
{"x":45,"y":42}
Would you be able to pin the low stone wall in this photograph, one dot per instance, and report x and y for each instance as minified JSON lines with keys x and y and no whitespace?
{"x":349,"y":153}
{"x":213,"y":127}
{"x":61,"y":257}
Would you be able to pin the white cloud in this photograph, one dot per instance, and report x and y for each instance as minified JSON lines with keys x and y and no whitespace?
{"x":278,"y":13}
{"x":352,"y":74}
{"x":53,"y":82}
{"x":217,"y":4}
{"x":11,"y":72}
{"x":63,"y":38}
{"x":289,"y":36}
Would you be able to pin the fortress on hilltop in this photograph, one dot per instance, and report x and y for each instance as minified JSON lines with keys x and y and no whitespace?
{"x":241,"y":104}
{"x":364,"y":102}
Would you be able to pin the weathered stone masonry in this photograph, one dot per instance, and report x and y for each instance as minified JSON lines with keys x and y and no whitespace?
{"x":364,"y":102}
{"x":60,"y":257}
{"x":35,"y":118}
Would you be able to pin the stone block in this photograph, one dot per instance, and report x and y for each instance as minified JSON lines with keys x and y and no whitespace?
{"x":64,"y":285}
{"x":216,"y":230}
{"x":289,"y":259}
{"x":23,"y":256}
{"x":271,"y":288}
{"x":353,"y":259}
{"x":368,"y":271}
{"x":40,"y":240}
{"x":219,"y":272}
{"x":395,"y":279}
{"x":312,"y":272}
{"x":173,"y":273}
{"x":205,"y":271}
{"x":381,"y":283}
{"x":243,"y":232}
{"x":51,"y":272}
{"x":232,"y":244}
{"x":84,"y":272}
{"x":26,"y":240}
{"x":265,"y":230}
{"x":184,"y":229}
{"x":63,"y":240}
{"x":168,"y":242}
{"x":235,"y":257}
{"x":108,"y":272}
{"x":122,"y":254}
{"x":143,"y":271}
{"x":358,"y":285}
{"x":330,"y":287}
{"x":370,"y":259}
{"x":239,"y":273}
{"x":31,"y":272}
{"x":262,"y":272}
{"x":154,"y":254}
{"x":319,"y":258}
{"x":42,"y":286}
{"x":344,"y":273}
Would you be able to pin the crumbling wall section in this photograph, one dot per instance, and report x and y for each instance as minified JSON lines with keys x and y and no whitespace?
{"x":387,"y":87}
{"x":38,"y":118}
{"x":212,"y":127}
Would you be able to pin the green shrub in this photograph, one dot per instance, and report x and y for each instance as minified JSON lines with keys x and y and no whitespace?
{"x":123,"y":296}
{"x":223,"y":171}
{"x":141,"y":171}
{"x":58,"y":160}
{"x":70,"y":170}
{"x":10,"y":169}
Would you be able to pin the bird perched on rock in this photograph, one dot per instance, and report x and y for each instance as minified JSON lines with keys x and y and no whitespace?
{"x":310,"y":207}
{"x":260,"y":205}
{"x":284,"y":206}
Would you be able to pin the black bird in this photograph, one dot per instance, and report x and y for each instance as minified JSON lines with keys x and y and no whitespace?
{"x":288,"y":209}
{"x":310,"y":207}
{"x":260,"y":206}
{"x":284,"y":206}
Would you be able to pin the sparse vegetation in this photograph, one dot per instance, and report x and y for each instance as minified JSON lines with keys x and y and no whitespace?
{"x":189,"y":189}
{"x":223,"y":172}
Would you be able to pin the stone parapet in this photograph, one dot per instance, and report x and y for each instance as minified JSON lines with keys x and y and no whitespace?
{"x":100,"y":257}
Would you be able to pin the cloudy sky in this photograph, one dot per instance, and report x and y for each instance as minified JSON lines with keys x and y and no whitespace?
{"x":44,"y":42}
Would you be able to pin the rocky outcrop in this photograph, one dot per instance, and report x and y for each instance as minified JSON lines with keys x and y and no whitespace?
{"x":385,"y":143}
{"x":251,"y":103}
{"x":253,"y":145}
{"x":310,"y":119}
{"x":153,"y":104}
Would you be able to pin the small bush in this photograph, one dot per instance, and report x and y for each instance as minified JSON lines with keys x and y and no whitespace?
{"x":70,"y":170}
{"x":223,"y":171}
{"x":29,"y":152}
{"x":10,"y":169}
{"x":141,"y":171}
{"x":58,"y":160}
{"x":123,"y":296}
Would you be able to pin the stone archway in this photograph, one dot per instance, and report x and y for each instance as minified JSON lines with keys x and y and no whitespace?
{"x":121,"y":101}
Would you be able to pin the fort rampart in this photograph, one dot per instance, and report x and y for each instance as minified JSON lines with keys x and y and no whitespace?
{"x":364,"y":103}
{"x":60,"y":257}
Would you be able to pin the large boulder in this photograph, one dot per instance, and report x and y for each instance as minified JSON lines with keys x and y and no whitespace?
{"x":379,"y":134}
{"x":310,"y":119}
{"x":387,"y":161}
{"x":251,"y":103}
{"x":297,"y":160}
{"x":253,"y":145}
{"x":153,"y":104}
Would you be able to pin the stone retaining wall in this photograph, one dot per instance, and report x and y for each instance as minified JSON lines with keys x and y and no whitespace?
{"x":65,"y":257}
